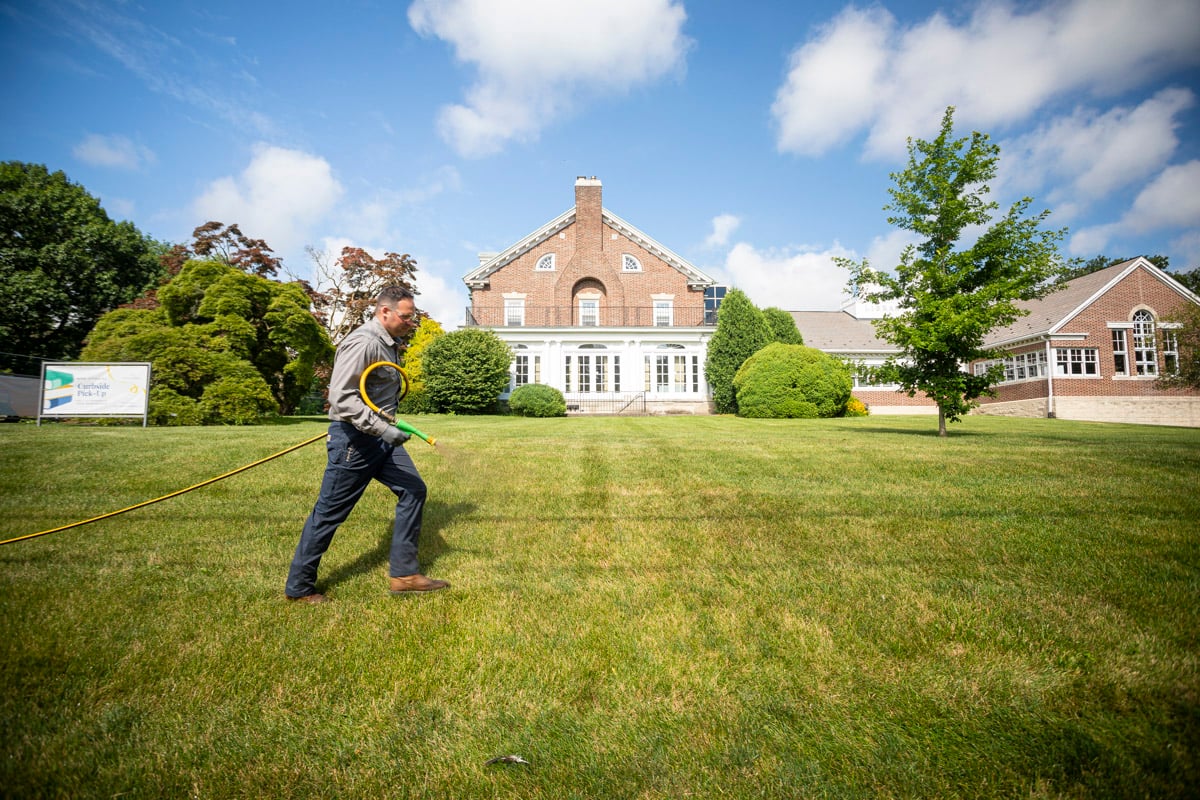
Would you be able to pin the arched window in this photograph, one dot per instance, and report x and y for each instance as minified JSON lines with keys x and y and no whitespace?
{"x":1145,"y":349}
{"x":630,"y":263}
{"x":546,"y":263}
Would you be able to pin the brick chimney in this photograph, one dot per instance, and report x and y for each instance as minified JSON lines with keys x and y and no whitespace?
{"x":588,"y":212}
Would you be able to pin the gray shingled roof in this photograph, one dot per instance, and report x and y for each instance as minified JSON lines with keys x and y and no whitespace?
{"x":839,"y":331}
{"x":1052,"y":309}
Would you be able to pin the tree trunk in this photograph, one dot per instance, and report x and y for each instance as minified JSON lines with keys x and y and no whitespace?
{"x":941,"y":421}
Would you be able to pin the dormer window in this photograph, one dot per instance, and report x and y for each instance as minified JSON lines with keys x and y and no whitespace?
{"x":545,"y":263}
{"x":630,"y":264}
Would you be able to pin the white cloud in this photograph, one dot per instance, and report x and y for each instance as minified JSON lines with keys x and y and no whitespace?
{"x":1092,"y":154}
{"x":999,"y":66}
{"x":536,"y":57}
{"x":1186,"y":251}
{"x":445,"y":301}
{"x":723,"y":226}
{"x":793,"y":281}
{"x":1169,"y":201}
{"x":277,"y":198}
{"x":832,"y":86}
{"x":885,"y":251}
{"x":116,"y":151}
{"x":1092,"y":240}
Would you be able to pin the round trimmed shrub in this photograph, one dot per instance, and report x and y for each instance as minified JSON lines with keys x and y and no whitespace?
{"x":537,"y":400}
{"x":466,"y":370}
{"x":792,"y":381}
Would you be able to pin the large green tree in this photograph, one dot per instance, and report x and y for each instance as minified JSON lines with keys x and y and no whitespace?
{"x":952,"y":290}
{"x":1078,"y":270}
{"x":742,"y":331}
{"x":226,"y":346}
{"x":63,"y":263}
{"x":1190,"y":279}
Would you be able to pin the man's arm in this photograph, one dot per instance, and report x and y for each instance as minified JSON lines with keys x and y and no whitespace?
{"x":345,"y":402}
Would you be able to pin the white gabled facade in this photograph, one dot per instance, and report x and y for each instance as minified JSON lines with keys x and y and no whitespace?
{"x":597,"y":309}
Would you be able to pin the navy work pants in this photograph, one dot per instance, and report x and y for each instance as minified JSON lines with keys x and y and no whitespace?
{"x":355,"y":458}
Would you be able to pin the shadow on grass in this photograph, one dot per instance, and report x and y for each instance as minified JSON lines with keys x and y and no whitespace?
{"x":431,"y":549}
{"x":951,"y":433}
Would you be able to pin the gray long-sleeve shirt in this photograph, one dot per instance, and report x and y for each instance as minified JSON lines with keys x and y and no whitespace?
{"x":363,"y":347}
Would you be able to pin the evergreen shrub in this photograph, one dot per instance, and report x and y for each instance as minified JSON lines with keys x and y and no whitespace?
{"x":168,"y":407}
{"x":792,"y":381}
{"x":466,"y":370}
{"x":537,"y":400}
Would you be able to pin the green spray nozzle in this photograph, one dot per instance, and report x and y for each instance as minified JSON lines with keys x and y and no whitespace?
{"x":412,"y":431}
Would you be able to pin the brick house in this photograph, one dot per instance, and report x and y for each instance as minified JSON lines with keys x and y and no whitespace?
{"x":1090,"y":351}
{"x":597,"y":309}
{"x":1094,"y":351}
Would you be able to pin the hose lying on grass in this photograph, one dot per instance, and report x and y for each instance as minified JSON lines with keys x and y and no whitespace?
{"x":167,"y":496}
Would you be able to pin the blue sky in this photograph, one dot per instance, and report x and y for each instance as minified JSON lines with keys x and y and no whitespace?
{"x":755,"y":139}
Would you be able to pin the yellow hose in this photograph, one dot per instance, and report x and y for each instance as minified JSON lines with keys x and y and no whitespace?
{"x":166,"y":496}
{"x":399,"y":423}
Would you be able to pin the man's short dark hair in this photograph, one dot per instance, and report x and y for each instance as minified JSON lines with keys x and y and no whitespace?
{"x":391,"y":295}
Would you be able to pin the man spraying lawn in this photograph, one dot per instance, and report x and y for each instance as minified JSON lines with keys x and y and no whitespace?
{"x":363,"y":444}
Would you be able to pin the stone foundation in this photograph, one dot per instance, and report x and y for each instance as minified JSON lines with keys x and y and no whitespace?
{"x":1180,"y":411}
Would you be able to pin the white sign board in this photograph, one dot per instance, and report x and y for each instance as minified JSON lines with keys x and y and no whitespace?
{"x":88,"y":389}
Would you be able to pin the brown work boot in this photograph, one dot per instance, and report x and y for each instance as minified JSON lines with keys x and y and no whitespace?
{"x":310,"y":599}
{"x":415,"y":583}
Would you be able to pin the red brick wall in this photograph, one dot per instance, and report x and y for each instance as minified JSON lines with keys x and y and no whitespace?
{"x":889,"y":397}
{"x":1138,"y":290}
{"x":1031,"y":389}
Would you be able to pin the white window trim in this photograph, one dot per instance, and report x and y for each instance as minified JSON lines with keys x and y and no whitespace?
{"x":662,"y":302}
{"x":1095,"y":359}
{"x":537,"y":267}
{"x":514,"y":301}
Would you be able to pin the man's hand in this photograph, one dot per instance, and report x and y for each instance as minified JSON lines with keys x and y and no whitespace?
{"x":395,"y":436}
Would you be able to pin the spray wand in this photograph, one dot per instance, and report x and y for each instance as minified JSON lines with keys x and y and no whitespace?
{"x":411,"y":430}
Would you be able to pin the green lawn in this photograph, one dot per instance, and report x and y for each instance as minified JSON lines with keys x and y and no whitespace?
{"x":641,"y":608}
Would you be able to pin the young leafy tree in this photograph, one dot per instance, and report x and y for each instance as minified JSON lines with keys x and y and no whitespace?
{"x":742,"y":331}
{"x":63,"y":263}
{"x":783,"y":326}
{"x":951,"y":291}
{"x":350,"y":285}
